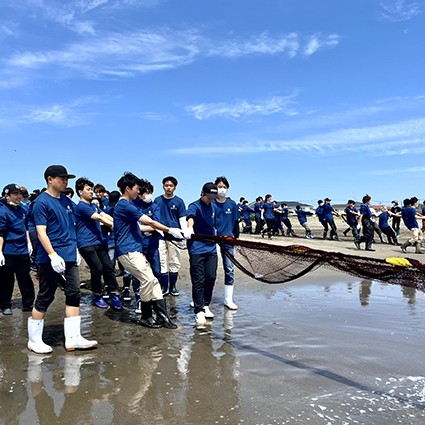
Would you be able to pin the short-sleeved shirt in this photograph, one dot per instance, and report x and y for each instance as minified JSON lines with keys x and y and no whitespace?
{"x":327,"y":212}
{"x":205,"y":223}
{"x":365,"y":212}
{"x":351,"y":218}
{"x":227,"y":215}
{"x":57,"y":215}
{"x":89,"y":232}
{"x":171,"y":210}
{"x":383,"y":219}
{"x":150,"y":240}
{"x":13,"y":225}
{"x":302,"y":215}
{"x":257,"y":209}
{"x":408,"y":214}
{"x":268,"y":210}
{"x":128,"y":236}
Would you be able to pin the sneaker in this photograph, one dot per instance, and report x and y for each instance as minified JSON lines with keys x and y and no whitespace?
{"x":115,"y":302}
{"x":7,"y":312}
{"x":125,"y":294}
{"x":200,"y":319}
{"x":33,"y":268}
{"x":138,"y":309}
{"x":100,"y":302}
{"x":357,"y":243}
{"x":192,"y":304}
{"x":208,"y":313}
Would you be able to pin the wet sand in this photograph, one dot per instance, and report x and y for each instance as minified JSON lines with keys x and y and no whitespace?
{"x":326,"y":348}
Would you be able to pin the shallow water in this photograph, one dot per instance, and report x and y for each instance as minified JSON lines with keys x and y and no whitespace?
{"x":345,"y":352}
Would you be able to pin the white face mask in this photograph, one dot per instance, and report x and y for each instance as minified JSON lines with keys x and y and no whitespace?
{"x":148,"y":198}
{"x":221,"y":191}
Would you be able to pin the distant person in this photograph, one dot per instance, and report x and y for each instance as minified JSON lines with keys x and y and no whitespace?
{"x":15,"y":249}
{"x":227,"y":224}
{"x":396,"y":219}
{"x":246,"y":217}
{"x":286,"y":220}
{"x":410,"y":216}
{"x":172,"y":210}
{"x":328,"y":214}
{"x":258,"y":206}
{"x":352,"y":215}
{"x":367,"y":225}
{"x":302,"y":218}
{"x":268,"y":217}
{"x":58,"y":262}
{"x":101,"y":192}
{"x":321,"y":217}
{"x":385,"y":226}
{"x":202,"y":219}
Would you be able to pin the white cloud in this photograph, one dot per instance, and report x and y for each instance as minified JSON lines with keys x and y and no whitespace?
{"x":388,"y":172}
{"x":401,"y":10}
{"x":277,"y":104}
{"x":401,"y":138}
{"x":318,"y":42}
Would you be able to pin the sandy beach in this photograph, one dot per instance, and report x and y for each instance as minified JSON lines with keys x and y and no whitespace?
{"x":326,"y":348}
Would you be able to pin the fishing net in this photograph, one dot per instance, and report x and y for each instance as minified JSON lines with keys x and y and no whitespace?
{"x":278,"y":264}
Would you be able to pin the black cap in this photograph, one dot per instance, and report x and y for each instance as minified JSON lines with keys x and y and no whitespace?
{"x":114,"y":196}
{"x":11,"y":188}
{"x":394,"y":202}
{"x":57,"y":171}
{"x":210,"y":190}
{"x":328,"y":199}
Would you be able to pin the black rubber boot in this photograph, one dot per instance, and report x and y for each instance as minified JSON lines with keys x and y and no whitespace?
{"x":162,"y":318}
{"x":369,"y":247}
{"x":404,"y":246}
{"x":325,"y":234}
{"x":173,"y":281}
{"x":147,"y":319}
{"x":418,"y":248}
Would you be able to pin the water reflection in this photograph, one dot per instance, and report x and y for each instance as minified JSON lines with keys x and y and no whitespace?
{"x":365,"y":289}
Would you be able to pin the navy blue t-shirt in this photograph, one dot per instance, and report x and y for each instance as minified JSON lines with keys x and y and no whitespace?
{"x":268,"y":210}
{"x":351,"y":218}
{"x":408,"y":214}
{"x":13,"y":225}
{"x":365,"y":211}
{"x":58,"y":216}
{"x":302,"y":215}
{"x":383,"y":219}
{"x":150,"y":240}
{"x":227,"y":215}
{"x":171,"y":210}
{"x":128,"y":236}
{"x":88,"y":230}
{"x":257,"y":209}
{"x":205,"y":222}
{"x":327,"y":212}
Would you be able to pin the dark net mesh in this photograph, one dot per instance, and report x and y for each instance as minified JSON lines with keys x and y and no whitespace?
{"x":278,"y":264}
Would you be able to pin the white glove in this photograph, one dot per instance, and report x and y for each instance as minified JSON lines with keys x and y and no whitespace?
{"x":188,"y":232}
{"x":78,"y":260}
{"x":2,"y":259}
{"x":58,"y":263}
{"x":175,"y":232}
{"x":29,"y":248}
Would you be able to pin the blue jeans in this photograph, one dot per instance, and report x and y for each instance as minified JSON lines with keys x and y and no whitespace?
{"x":228,"y":266}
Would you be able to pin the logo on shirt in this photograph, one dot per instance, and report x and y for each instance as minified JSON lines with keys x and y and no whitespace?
{"x":228,"y":211}
{"x":173,"y":207}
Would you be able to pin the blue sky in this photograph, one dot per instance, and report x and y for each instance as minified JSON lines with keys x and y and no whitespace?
{"x":298,"y":98}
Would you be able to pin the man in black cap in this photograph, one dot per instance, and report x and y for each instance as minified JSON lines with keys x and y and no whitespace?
{"x":201,"y":219}
{"x":15,"y":248}
{"x":58,"y":261}
{"x":396,"y":209}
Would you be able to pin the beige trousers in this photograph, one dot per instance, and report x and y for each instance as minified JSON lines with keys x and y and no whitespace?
{"x":137,"y":265}
{"x":169,"y":257}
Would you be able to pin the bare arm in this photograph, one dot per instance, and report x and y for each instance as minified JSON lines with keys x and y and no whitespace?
{"x":103,"y":218}
{"x":44,"y":239}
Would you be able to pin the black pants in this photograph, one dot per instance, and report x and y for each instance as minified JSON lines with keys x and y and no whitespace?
{"x":332,"y":225}
{"x":97,"y":258}
{"x":390,"y":234}
{"x":203,"y":272}
{"x":271,"y":226}
{"x":50,"y":281}
{"x":396,"y":225}
{"x":19,"y":266}
{"x":367,"y":230}
{"x":258,"y":225}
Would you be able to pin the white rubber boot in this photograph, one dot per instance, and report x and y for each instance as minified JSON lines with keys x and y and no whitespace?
{"x":73,"y":338}
{"x":228,"y":297}
{"x":35,"y":337}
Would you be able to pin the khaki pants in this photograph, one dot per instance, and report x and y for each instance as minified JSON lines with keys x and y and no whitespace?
{"x":169,"y":257}
{"x":137,"y":265}
{"x":417,"y":235}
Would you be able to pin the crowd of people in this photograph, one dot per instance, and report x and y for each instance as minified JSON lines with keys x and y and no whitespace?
{"x":130,"y":233}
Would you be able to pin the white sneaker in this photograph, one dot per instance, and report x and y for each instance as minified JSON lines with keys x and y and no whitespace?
{"x":192,"y":304}
{"x":208,"y":313}
{"x":200,"y":319}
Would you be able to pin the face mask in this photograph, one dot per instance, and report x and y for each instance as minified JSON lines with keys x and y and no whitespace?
{"x":221,"y":191}
{"x":148,"y":197}
{"x":13,"y":204}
